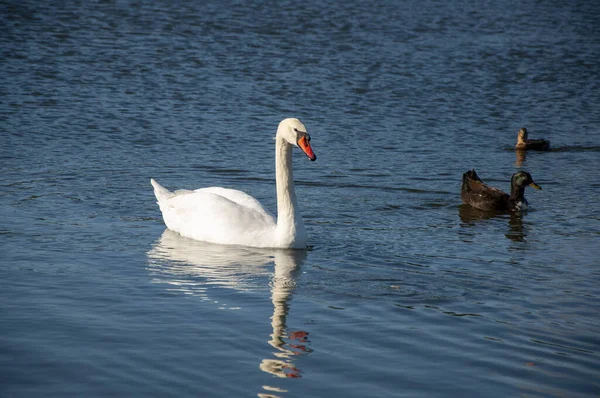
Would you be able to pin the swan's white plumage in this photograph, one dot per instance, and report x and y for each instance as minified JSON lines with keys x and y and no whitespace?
{"x":228,"y":216}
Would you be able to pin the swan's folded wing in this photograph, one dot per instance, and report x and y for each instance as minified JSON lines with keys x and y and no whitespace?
{"x":239,"y":197}
{"x":207,"y":216}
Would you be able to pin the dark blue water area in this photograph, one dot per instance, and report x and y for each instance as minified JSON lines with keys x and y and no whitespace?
{"x":403,"y":291}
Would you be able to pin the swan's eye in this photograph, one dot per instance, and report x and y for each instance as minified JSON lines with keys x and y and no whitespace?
{"x":308,"y":137}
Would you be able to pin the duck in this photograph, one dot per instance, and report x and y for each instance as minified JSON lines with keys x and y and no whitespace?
{"x":523,"y":143}
{"x":231,"y":217}
{"x":483,"y":197}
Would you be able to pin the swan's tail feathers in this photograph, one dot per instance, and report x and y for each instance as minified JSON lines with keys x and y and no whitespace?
{"x":161,"y":193}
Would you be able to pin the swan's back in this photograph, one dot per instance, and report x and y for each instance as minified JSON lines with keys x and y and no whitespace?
{"x":239,"y":197}
{"x":217,"y":215}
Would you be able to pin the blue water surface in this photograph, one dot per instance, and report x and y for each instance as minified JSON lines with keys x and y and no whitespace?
{"x":402,"y":292}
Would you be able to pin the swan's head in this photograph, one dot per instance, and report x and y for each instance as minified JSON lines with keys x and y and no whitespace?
{"x":294,"y":132}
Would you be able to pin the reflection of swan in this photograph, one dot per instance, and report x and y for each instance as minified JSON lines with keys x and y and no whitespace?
{"x":228,"y":216}
{"x":282,"y":285}
{"x":181,"y":262}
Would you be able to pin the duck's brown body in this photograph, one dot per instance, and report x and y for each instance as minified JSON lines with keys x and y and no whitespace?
{"x":524,"y":143}
{"x":483,"y":197}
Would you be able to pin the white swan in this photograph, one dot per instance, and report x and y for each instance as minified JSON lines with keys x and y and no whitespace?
{"x":227,"y":216}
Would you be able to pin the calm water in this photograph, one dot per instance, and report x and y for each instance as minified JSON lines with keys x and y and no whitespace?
{"x":403,"y":293}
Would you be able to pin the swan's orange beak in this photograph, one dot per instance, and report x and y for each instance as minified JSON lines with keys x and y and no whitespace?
{"x":305,"y":146}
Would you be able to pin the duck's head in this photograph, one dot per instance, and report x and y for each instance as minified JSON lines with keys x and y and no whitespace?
{"x":523,"y":179}
{"x":522,"y":136}
{"x":294,"y":132}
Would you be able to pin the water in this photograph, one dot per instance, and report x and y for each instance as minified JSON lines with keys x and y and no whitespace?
{"x":404,"y":292}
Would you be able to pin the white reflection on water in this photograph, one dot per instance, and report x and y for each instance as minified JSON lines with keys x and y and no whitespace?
{"x":283,"y":283}
{"x":190,"y":267}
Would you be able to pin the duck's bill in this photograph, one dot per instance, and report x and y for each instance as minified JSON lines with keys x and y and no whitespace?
{"x":305,"y":146}
{"x":536,"y":186}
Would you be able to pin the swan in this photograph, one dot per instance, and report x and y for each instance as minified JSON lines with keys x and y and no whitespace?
{"x":232,"y":217}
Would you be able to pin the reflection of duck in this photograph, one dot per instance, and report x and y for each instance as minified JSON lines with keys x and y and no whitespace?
{"x":232,"y":217}
{"x":180,"y":261}
{"x":470,"y":215}
{"x":516,"y":231}
{"x":481,"y":196}
{"x":523,"y":143}
{"x":521,"y":157}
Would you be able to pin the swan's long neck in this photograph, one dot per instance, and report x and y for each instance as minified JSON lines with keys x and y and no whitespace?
{"x":289,"y":222}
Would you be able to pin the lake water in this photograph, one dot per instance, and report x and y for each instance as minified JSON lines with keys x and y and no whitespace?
{"x":403,"y":291}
